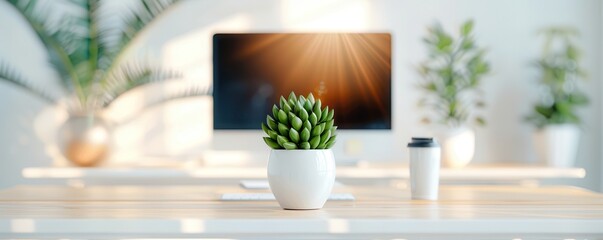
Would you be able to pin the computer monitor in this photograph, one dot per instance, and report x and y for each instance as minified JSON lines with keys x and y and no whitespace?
{"x":349,"y":72}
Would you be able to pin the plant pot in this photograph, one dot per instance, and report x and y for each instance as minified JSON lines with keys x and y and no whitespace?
{"x":557,"y":145}
{"x":458,"y":146}
{"x":301,"y":179}
{"x":84,"y":140}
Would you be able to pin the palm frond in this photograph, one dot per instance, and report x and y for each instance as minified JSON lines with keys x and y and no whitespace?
{"x":10,"y":75}
{"x":134,"y":22}
{"x":133,"y":75}
{"x":144,"y":14}
{"x":91,"y":47}
{"x":189,"y":92}
{"x":61,"y":38}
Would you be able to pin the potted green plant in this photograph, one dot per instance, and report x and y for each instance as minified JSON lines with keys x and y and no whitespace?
{"x":451,"y":78}
{"x":301,"y":168}
{"x":90,"y":58}
{"x":555,"y":115}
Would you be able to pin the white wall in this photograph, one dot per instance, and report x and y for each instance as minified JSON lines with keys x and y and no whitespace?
{"x":506,"y":28}
{"x":600,"y":61}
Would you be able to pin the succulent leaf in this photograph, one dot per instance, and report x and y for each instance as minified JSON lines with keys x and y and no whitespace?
{"x":273,"y":134}
{"x":331,"y":114}
{"x":271,"y":123}
{"x":308,"y":125}
{"x":283,"y":102}
{"x":308,"y":106}
{"x":317,"y":109}
{"x":302,"y":99}
{"x":325,"y":136}
{"x":275,"y":110}
{"x":303,"y":114}
{"x":316,"y":131}
{"x":281,"y":140}
{"x":291,"y":117}
{"x":298,"y":107}
{"x":283,"y":129}
{"x":322,"y":127}
{"x":329,"y":124}
{"x":314,"y":142}
{"x":282,"y":117}
{"x":287,"y":108}
{"x":331,"y":142}
{"x":313,"y":119}
{"x":265,"y":128}
{"x":294,"y":135}
{"x":305,"y":135}
{"x":311,"y":98}
{"x":271,"y":143}
{"x":292,"y":97}
{"x":323,"y":115}
{"x":297,"y":123}
{"x":305,"y":145}
{"x":289,"y":146}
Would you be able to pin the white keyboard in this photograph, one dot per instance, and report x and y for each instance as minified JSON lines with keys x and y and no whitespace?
{"x":270,"y":197}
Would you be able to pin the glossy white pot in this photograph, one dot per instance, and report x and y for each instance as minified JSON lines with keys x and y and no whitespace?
{"x":458,"y":146}
{"x":557,"y":145}
{"x":301,"y":179}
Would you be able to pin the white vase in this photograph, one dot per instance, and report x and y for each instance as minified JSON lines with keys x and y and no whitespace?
{"x":301,"y":179}
{"x":557,"y":145}
{"x":458,"y":146}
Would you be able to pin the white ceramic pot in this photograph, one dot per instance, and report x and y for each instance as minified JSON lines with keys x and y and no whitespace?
{"x":301,"y":179}
{"x":557,"y":145}
{"x":458,"y":146}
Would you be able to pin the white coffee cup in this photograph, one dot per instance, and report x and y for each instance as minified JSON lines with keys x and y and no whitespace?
{"x":424,"y":168}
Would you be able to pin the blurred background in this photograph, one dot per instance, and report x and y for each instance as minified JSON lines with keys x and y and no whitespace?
{"x":180,"y":131}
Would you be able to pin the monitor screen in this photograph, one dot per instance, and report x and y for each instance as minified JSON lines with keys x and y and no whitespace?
{"x":349,"y":72}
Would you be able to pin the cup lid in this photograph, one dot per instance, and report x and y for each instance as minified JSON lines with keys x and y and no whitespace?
{"x":423,"y":142}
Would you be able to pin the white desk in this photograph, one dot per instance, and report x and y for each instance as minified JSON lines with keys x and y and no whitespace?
{"x":463,"y":212}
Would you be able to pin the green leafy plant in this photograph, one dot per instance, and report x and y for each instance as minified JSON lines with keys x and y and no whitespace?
{"x":451,"y":76}
{"x":87,"y":53}
{"x":560,"y":71}
{"x":300,"y":123}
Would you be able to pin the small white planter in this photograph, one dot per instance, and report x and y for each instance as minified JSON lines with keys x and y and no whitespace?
{"x":301,"y":179}
{"x":557,"y":145}
{"x":458,"y":146}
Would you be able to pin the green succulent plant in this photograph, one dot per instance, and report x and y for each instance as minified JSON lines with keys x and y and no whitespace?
{"x":300,"y":123}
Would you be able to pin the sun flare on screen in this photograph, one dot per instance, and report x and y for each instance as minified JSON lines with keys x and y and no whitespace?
{"x":350,"y":72}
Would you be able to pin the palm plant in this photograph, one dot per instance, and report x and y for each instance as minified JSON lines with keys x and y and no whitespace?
{"x":87,"y":53}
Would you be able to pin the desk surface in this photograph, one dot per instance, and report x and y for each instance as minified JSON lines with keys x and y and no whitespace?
{"x":462,"y":212}
{"x":475,"y":173}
